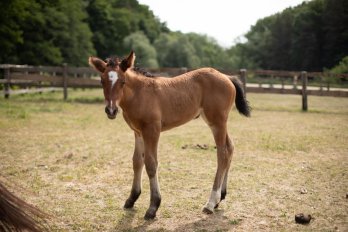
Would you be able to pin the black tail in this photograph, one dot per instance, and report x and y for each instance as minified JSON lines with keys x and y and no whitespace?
{"x":241,"y":102}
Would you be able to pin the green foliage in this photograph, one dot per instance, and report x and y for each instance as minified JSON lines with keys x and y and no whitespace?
{"x":190,"y":50}
{"x":38,"y":37}
{"x":145,"y":52}
{"x":53,"y":32}
{"x":208,"y":51}
{"x":342,"y":67}
{"x":12,"y":13}
{"x":182,"y":53}
{"x":110,"y":26}
{"x":310,"y":37}
{"x":44,"y":32}
{"x":112,"y":21}
{"x":74,"y":37}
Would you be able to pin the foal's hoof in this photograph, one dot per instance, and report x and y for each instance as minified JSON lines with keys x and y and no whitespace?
{"x":206,"y":210}
{"x":150,"y":215}
{"x":128,"y":205}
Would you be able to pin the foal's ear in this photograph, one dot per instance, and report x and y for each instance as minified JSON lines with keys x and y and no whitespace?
{"x":96,"y":63}
{"x":128,"y":62}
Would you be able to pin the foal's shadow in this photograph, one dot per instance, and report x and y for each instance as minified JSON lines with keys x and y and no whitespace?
{"x":215,"y":222}
{"x":125,"y":222}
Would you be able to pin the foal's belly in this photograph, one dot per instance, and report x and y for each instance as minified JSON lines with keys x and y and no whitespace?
{"x":176,"y":119}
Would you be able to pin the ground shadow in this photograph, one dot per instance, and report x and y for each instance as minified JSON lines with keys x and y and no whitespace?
{"x":125,"y":222}
{"x":213,"y":222}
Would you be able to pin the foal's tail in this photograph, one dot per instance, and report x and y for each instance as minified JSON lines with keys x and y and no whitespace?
{"x":17,"y":215}
{"x":242,"y":103}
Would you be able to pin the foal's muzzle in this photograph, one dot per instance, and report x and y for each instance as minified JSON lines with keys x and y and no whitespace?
{"x":111,"y":113}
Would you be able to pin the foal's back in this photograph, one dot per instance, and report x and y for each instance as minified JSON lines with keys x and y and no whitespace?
{"x":182,"y":98}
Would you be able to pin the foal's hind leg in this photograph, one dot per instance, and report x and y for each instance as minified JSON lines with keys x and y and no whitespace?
{"x":230,"y":148}
{"x":224,"y":156}
{"x":138,"y":164}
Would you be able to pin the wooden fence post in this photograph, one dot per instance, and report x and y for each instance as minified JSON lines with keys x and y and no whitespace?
{"x":7,"y":76}
{"x":65,"y":80}
{"x":243,"y":74}
{"x":294,"y":82}
{"x":304,"y":90}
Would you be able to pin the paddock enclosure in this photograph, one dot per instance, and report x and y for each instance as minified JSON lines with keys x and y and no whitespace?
{"x":75,"y":164}
{"x":19,"y":79}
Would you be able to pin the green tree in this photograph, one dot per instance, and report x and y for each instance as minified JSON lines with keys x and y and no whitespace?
{"x":145,"y":52}
{"x":342,"y":67}
{"x":335,"y":21}
{"x":258,"y":44}
{"x":209,"y":52}
{"x":110,"y":26}
{"x":38,"y":38}
{"x":183,"y":54}
{"x":72,"y":34}
{"x":176,"y":50}
{"x":238,"y":59}
{"x":45,"y":32}
{"x":190,"y":50}
{"x":12,"y":14}
{"x":310,"y":37}
{"x":112,"y":21}
{"x":280,"y":44}
{"x":163,"y":45}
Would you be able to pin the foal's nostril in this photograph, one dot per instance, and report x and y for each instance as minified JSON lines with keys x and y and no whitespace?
{"x":110,"y":111}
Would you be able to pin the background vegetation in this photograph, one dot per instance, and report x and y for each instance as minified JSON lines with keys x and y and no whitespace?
{"x":312,"y":36}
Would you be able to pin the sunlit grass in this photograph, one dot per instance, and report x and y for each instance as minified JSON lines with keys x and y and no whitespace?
{"x":77,"y":165}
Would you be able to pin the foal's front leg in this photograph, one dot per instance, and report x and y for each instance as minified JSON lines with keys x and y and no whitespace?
{"x":138,"y":164}
{"x":151,"y":136}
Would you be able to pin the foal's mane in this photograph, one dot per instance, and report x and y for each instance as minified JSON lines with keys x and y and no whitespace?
{"x":113,"y":61}
{"x":142,"y":72}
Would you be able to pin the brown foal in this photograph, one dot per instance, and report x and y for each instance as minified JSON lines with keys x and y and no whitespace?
{"x":152,"y":105}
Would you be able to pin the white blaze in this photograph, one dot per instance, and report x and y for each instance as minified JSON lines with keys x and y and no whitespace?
{"x":113,"y":77}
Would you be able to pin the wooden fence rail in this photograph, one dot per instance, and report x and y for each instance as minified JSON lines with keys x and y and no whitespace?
{"x":45,"y":78}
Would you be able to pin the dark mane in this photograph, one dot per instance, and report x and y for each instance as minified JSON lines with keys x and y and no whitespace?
{"x":112,"y":61}
{"x":143,"y":72}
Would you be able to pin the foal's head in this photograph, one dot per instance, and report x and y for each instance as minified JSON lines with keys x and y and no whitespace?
{"x":112,"y":79}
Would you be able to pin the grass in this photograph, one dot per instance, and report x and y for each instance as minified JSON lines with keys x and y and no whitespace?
{"x":75,"y":164}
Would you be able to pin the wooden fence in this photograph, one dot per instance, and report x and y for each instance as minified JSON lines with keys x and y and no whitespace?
{"x":46,"y":78}
{"x":25,"y":79}
{"x":291,"y":82}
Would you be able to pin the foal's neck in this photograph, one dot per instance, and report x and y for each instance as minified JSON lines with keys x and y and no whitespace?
{"x":135,"y":80}
{"x":134,"y":84}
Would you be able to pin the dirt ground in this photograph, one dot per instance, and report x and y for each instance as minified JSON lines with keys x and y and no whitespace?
{"x":68,"y":159}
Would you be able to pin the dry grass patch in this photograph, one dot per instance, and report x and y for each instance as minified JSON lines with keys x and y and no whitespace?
{"x":75,"y":164}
